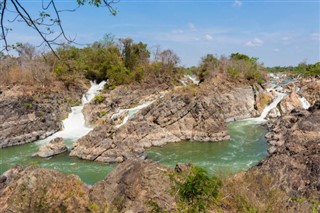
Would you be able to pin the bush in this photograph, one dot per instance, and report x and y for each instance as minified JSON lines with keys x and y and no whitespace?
{"x":98,"y":99}
{"x":195,"y":189}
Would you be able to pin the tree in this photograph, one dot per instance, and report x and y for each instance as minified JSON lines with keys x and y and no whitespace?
{"x":209,"y":64}
{"x":47,"y":23}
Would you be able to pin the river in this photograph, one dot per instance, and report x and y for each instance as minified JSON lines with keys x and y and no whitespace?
{"x":245,"y":149}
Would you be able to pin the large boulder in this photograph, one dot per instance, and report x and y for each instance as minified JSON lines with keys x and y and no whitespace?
{"x":54,"y":147}
{"x":135,"y":186}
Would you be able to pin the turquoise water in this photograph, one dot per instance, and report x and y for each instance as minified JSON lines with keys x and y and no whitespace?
{"x":245,"y":149}
{"x":89,"y":171}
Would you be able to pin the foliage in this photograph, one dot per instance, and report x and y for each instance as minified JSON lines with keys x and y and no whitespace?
{"x":195,"y":189}
{"x":237,"y":66}
{"x":302,"y":69}
{"x":98,"y":99}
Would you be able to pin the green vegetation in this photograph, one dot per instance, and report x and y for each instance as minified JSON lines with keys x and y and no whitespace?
{"x":237,"y":66}
{"x":195,"y":190}
{"x":302,"y":69}
{"x":27,"y":105}
{"x":98,"y":99}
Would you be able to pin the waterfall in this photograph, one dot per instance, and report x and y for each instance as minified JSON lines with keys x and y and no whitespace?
{"x":304,"y":103}
{"x":74,"y":125}
{"x":130,"y":112}
{"x":193,"y":79}
{"x":274,"y":104}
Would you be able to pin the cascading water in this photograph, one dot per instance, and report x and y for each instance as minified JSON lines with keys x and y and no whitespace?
{"x":130,"y":112}
{"x":89,"y":171}
{"x":305,"y":104}
{"x":245,"y":149}
{"x":194,"y":79}
{"x":274,"y":104}
{"x":74,"y":126}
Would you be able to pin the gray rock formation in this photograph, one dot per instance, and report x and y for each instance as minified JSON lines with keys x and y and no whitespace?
{"x":135,"y":186}
{"x":54,"y":147}
{"x":29,"y":113}
{"x":174,"y":118}
{"x":295,"y":153}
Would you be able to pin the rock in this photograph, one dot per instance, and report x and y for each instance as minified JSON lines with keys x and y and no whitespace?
{"x":294,"y":161}
{"x":173,"y":118}
{"x":30,"y":113}
{"x":135,"y":186}
{"x":310,"y":89}
{"x":290,"y":102}
{"x":43,"y":190}
{"x":54,"y":147}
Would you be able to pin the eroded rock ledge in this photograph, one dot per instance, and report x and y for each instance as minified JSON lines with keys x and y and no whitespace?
{"x":170,"y":119}
{"x":31,"y":113}
{"x":295,"y":153}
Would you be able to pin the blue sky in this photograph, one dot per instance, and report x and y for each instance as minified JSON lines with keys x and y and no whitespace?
{"x":278,"y":32}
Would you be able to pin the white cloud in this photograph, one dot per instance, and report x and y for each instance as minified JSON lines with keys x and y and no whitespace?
{"x":237,"y":3}
{"x":255,"y":43}
{"x":208,"y":37}
{"x":315,"y":36}
{"x":276,"y":50}
{"x":285,"y":38}
{"x":178,"y":31}
{"x":192,"y":27}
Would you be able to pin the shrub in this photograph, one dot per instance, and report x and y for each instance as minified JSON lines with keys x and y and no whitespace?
{"x":98,"y":99}
{"x":195,"y":189}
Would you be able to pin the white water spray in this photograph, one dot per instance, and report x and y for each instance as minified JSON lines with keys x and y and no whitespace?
{"x":305,"y":104}
{"x":130,"y":112}
{"x":74,"y":126}
{"x":193,"y":79}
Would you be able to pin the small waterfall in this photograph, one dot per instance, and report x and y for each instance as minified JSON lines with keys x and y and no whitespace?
{"x":305,"y":104}
{"x":267,"y":109}
{"x":93,"y":91}
{"x":274,"y":104}
{"x":130,"y":112}
{"x":74,"y":125}
{"x":193,"y":79}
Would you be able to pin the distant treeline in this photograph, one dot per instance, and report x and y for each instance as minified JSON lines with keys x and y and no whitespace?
{"x":119,"y":62}
{"x":302,"y":69}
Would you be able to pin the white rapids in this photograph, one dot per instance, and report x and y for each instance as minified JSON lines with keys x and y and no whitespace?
{"x":130,"y":112}
{"x":74,"y":125}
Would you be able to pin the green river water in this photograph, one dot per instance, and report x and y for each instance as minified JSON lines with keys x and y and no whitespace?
{"x":245,"y":149}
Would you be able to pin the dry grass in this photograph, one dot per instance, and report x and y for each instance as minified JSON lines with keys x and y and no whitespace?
{"x":250,"y":193}
{"x":32,"y":73}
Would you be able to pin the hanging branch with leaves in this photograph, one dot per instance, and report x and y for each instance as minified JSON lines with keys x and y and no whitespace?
{"x":48,"y":24}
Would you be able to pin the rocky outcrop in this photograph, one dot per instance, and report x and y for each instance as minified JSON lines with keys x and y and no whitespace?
{"x":310,"y":89}
{"x":236,"y":100}
{"x":290,"y":102}
{"x":122,"y":97}
{"x":174,"y":118}
{"x":42,"y":190}
{"x":294,"y":159}
{"x":54,"y":147}
{"x":186,"y":113}
{"x":32,"y":113}
{"x":134,"y":186}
